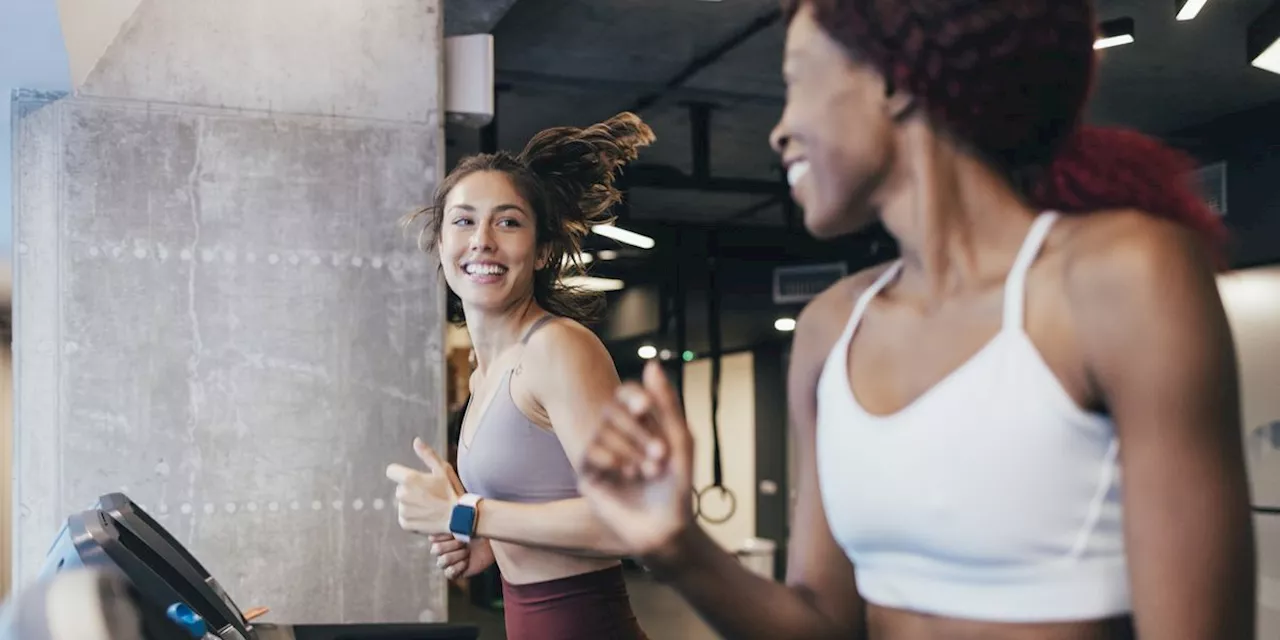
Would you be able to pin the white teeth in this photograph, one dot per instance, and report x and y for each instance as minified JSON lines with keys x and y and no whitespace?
{"x":797,"y":171}
{"x":485,"y":270}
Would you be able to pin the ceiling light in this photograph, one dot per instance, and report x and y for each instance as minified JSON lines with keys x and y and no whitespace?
{"x":1188,"y":9}
{"x":593,"y":283}
{"x":785,"y":324}
{"x":622,"y":235}
{"x":665,"y":354}
{"x":648,"y":352}
{"x":1263,"y":40}
{"x":1114,"y":33}
{"x":607,"y":254}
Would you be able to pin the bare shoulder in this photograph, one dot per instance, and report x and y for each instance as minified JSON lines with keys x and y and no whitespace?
{"x":563,"y":342}
{"x":824,"y":317}
{"x":1144,"y":302}
{"x":817,"y":330}
{"x":1129,"y":258}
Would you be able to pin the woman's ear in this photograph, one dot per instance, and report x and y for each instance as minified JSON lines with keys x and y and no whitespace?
{"x":544,"y":257}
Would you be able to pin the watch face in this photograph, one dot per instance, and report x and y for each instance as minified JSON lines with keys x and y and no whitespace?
{"x":462,"y":519}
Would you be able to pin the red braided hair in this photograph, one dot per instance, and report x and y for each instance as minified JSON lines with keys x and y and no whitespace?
{"x":1011,"y":78}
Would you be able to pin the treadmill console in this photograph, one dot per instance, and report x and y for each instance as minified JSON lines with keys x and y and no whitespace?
{"x":115,"y":535}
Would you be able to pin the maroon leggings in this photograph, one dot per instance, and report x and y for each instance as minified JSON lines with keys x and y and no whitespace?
{"x":589,"y":606}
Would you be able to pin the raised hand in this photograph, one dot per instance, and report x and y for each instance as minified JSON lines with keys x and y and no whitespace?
{"x":425,"y":499}
{"x":637,"y":470}
{"x":459,"y":559}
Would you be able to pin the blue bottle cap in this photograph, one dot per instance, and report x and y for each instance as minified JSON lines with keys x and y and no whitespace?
{"x":189,"y":620}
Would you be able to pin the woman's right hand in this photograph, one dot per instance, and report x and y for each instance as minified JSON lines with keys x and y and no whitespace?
{"x":459,"y":559}
{"x":637,"y":470}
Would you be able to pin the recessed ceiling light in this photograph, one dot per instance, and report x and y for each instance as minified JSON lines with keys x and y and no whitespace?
{"x":1188,"y":9}
{"x":785,"y":324}
{"x":607,"y":254}
{"x":1263,"y":40}
{"x":648,"y":352}
{"x":1114,"y":33}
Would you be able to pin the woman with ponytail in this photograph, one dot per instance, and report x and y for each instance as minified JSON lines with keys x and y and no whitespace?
{"x":1027,"y":427}
{"x":508,"y":229}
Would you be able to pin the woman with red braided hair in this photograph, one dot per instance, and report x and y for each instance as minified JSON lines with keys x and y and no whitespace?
{"x":1026,"y":427}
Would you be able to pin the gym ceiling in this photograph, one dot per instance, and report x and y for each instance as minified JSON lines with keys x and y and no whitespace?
{"x":705,"y":74}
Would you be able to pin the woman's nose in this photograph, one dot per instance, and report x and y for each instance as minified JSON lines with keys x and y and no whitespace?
{"x":481,"y":238}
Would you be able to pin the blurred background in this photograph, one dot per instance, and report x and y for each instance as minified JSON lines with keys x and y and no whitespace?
{"x":215,"y":313}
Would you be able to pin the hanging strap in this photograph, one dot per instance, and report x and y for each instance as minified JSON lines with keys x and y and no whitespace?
{"x":713,"y":337}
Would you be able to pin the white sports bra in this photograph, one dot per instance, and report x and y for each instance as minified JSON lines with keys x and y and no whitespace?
{"x":992,"y":496}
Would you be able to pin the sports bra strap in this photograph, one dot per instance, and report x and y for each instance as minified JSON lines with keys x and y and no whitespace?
{"x":1015,"y":284}
{"x":537,"y":324}
{"x":872,"y":291}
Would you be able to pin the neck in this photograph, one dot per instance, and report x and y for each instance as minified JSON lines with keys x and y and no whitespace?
{"x":958,"y":224}
{"x":493,"y":332}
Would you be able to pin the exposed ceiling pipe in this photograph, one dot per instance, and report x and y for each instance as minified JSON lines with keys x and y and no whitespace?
{"x":707,"y":59}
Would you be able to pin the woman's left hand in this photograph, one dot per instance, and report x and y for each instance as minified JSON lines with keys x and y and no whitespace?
{"x":425,"y":499}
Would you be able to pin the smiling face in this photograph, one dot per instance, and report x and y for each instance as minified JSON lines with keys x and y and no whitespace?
{"x":836,"y":134}
{"x":488,"y":242}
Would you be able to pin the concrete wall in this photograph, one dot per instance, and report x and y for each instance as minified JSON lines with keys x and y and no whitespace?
{"x":216,"y":312}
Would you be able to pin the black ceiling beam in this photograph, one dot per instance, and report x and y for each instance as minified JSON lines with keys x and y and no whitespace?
{"x":754,"y":209}
{"x":653,"y":176}
{"x":508,"y":80}
{"x":707,"y":59}
{"x":700,"y":137}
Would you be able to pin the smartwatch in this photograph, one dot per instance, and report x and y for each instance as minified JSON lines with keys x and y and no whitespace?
{"x":462,"y":521}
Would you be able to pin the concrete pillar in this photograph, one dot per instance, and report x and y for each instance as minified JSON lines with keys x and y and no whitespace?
{"x":215,"y":309}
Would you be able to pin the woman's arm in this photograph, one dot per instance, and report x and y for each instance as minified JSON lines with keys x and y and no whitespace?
{"x":637,"y":474}
{"x":820,"y":598}
{"x":567,"y":526}
{"x":1160,"y":354}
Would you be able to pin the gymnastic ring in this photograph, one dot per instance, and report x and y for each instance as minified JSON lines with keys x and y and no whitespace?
{"x":724,"y":491}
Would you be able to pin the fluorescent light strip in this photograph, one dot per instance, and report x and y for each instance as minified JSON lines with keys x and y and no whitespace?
{"x":1113,"y":41}
{"x":1191,"y":9}
{"x":585,"y":258}
{"x":593,"y":283}
{"x":1113,"y":33}
{"x":622,"y":235}
{"x":1269,"y":59}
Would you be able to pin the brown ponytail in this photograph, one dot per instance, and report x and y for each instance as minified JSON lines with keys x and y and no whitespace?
{"x":566,"y":174}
